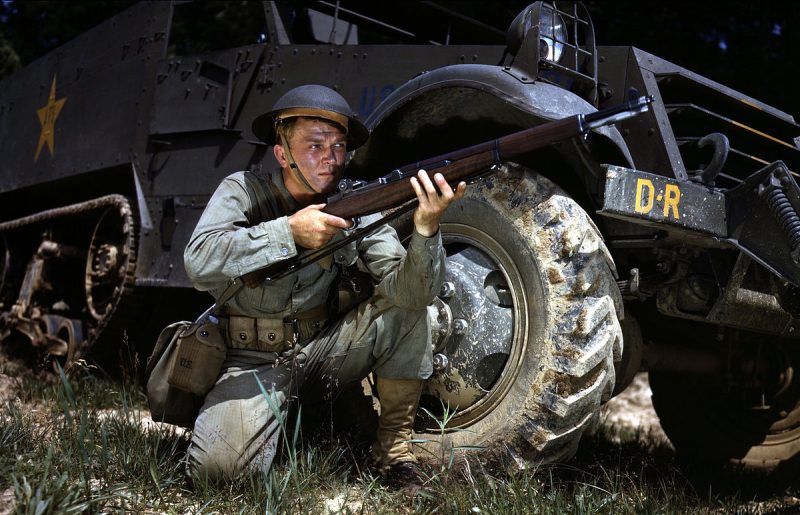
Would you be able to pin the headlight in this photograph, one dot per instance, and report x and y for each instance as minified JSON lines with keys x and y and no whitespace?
{"x":552,"y":34}
{"x":552,"y":31}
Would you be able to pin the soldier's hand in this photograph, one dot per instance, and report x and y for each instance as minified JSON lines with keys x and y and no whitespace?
{"x":313,"y":228}
{"x":433,"y":202}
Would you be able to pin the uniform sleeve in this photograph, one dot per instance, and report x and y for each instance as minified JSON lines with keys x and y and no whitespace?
{"x":224,"y":246}
{"x":411,"y":278}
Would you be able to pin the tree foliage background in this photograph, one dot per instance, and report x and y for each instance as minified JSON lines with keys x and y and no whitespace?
{"x":749,"y":46}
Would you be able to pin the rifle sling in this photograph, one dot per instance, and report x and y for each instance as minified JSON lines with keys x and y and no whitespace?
{"x":257,"y":277}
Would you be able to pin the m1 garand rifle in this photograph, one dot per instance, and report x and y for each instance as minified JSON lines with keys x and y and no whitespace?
{"x":394,"y":192}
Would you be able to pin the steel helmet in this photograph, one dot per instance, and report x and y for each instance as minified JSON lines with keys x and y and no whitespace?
{"x":315,"y":101}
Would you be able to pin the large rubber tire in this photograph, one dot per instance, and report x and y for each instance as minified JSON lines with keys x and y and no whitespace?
{"x":565,"y":307}
{"x":715,"y":420}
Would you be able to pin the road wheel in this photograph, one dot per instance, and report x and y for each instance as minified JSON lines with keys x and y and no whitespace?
{"x":109,"y":280}
{"x":529,"y":323}
{"x":749,"y":416}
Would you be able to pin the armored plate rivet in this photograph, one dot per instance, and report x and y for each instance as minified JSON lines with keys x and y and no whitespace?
{"x":271,"y":337}
{"x":203,"y":333}
{"x":242,"y":336}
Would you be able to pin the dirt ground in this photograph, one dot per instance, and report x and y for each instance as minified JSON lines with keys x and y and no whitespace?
{"x":9,"y":371}
{"x":632,"y":412}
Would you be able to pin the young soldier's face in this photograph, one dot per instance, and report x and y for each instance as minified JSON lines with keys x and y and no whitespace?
{"x":319,"y":149}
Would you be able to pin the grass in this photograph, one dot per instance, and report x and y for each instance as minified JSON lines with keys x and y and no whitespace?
{"x":76,"y":444}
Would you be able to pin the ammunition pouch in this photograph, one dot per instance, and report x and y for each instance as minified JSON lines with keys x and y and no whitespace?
{"x":274,"y":334}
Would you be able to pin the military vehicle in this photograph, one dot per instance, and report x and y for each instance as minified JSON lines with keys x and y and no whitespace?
{"x":668,"y":243}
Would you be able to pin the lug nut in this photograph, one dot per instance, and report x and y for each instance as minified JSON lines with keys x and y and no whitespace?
{"x":460,"y":326}
{"x":447,"y":290}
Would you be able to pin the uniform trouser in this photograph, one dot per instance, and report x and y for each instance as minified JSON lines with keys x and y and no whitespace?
{"x":238,"y":429}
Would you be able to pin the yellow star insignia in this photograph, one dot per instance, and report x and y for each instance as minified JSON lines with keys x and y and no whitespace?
{"x":47,"y":117}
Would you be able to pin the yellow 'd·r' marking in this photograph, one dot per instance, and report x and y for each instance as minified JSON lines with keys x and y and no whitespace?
{"x":672,"y":195}
{"x":47,"y":118}
{"x":641,"y":185}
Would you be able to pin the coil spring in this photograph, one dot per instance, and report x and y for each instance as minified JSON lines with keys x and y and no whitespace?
{"x":782,"y":209}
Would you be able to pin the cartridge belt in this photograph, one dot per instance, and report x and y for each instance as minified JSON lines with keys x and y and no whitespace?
{"x":273,"y":334}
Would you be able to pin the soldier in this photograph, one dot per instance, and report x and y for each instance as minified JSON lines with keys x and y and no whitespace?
{"x":282,"y":332}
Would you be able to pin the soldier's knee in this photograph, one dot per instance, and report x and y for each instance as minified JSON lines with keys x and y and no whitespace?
{"x":206,"y":467}
{"x":408,"y":327}
{"x":217,"y":463}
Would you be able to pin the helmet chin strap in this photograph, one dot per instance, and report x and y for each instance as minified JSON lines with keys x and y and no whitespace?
{"x":294,"y":168}
{"x":326,"y":261}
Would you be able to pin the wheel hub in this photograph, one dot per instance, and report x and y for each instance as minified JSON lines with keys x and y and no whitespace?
{"x":479,"y":332}
{"x":108,"y":256}
{"x":106,"y":262}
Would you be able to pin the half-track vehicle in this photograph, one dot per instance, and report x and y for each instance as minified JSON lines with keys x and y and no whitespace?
{"x":668,"y":243}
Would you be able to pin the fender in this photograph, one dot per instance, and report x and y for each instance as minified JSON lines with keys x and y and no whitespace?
{"x":463,"y":104}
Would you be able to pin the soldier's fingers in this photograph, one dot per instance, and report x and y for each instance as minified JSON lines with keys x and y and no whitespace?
{"x":325,"y":232}
{"x":311,"y":214}
{"x":422,"y":197}
{"x":416,"y":187}
{"x":336,"y":222}
{"x":430,"y":189}
{"x":444,"y":187}
{"x":460,"y":190}
{"x":314,"y":207}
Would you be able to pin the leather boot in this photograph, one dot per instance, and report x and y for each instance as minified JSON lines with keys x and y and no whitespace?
{"x":399,"y":399}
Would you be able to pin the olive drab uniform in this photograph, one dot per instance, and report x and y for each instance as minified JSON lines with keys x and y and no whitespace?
{"x":280,"y":332}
